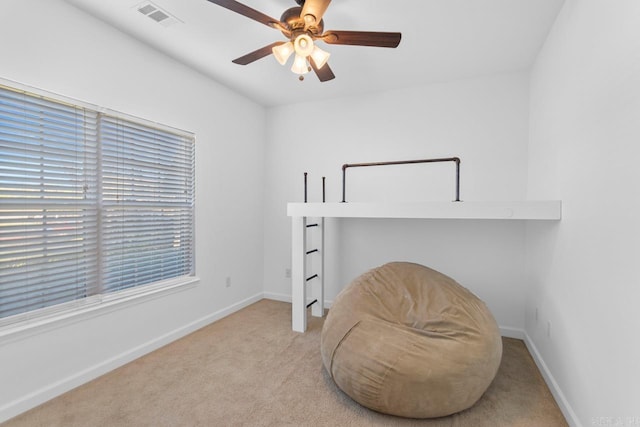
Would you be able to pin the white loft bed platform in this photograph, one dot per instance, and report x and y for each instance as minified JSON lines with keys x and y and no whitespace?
{"x":545,"y":210}
{"x":519,"y":210}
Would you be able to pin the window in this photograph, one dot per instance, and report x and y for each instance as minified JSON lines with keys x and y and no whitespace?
{"x":90,"y":202}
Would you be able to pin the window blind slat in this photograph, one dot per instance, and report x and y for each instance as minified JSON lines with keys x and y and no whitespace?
{"x":34,"y":267}
{"x":115,"y":126}
{"x":40,"y":297}
{"x":63,"y":276}
{"x":33,"y":232}
{"x":50,"y":152}
{"x":139,"y":146}
{"x":111,"y":147}
{"x":175,"y":168}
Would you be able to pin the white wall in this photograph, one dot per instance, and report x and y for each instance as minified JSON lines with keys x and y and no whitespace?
{"x":53,"y":46}
{"x":484,"y":121}
{"x":584,"y":149}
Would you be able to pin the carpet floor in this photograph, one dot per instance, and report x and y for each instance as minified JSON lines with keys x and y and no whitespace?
{"x":250,"y":369}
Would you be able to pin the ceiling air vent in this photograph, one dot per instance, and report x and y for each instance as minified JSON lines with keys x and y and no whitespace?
{"x":155,"y":12}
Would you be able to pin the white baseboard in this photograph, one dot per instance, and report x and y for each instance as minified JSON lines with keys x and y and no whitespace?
{"x":559,"y":396}
{"x":509,"y":332}
{"x":557,"y":393}
{"x":55,"y":389}
{"x":277,"y":297}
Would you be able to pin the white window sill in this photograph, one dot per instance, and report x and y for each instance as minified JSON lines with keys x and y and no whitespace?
{"x":65,"y":314}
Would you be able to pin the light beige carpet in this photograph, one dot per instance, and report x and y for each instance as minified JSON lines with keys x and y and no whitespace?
{"x":250,"y":369}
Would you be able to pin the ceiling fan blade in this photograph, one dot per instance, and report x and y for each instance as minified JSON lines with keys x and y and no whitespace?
{"x":362,"y":38}
{"x":256,"y":54}
{"x":251,"y":13}
{"x":324,"y":73}
{"x":315,"y":9}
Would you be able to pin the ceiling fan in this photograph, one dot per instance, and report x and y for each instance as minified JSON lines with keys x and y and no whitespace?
{"x":303,"y":25}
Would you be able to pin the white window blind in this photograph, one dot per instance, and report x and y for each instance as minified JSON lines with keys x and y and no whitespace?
{"x":89,"y":203}
{"x":147,"y":200}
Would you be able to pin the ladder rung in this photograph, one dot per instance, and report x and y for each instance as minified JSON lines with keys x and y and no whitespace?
{"x":312,"y":251}
{"x":312,"y":302}
{"x":312,"y":277}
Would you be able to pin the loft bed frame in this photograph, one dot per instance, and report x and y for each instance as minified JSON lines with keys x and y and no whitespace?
{"x":303,"y":277}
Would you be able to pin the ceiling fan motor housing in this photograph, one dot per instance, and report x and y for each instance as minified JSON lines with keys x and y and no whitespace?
{"x":296,"y":23}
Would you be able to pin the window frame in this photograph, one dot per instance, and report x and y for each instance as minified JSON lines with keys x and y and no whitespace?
{"x":97,"y":303}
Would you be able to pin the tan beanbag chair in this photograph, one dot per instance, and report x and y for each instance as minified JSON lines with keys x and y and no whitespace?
{"x":406,"y":340}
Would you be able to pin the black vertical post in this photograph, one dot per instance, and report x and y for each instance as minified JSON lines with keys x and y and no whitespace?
{"x":457,"y":179}
{"x":344,"y":185}
{"x":324,"y":199}
{"x":305,"y":187}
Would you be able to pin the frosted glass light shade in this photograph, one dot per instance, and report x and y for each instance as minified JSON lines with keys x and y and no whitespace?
{"x":320,"y":57}
{"x":300,"y":65}
{"x":303,"y":45}
{"x":282,"y":52}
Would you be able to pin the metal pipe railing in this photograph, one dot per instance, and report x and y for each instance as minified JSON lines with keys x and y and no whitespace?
{"x":324,"y":192}
{"x":401,"y":162}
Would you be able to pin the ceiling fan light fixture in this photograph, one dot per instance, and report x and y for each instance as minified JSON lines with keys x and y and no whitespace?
{"x":301,"y":26}
{"x":320,"y":57}
{"x":303,"y":45}
{"x":283,"y":52}
{"x":300,"y":65}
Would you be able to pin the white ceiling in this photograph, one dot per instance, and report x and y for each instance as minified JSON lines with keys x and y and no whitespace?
{"x":442,"y":40}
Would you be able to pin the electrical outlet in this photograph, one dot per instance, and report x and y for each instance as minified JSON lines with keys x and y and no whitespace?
{"x":287,"y":273}
{"x":228,"y":281}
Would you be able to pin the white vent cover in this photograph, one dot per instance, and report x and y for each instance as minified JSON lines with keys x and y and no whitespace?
{"x":155,"y":12}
